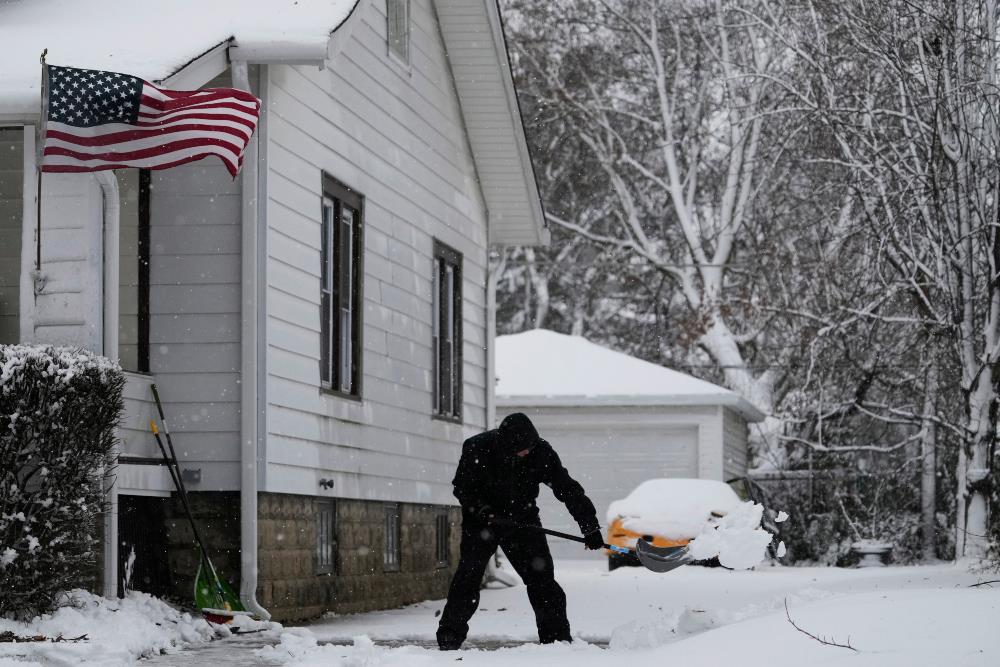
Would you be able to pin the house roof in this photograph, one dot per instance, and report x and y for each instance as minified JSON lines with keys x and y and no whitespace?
{"x":171,"y":42}
{"x":148,"y":39}
{"x":545,"y":368}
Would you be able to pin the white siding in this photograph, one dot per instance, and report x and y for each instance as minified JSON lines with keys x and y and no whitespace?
{"x":735,"y":437}
{"x":194,"y":326}
{"x":395,"y":135}
{"x":11,"y":186}
{"x":68,"y":310}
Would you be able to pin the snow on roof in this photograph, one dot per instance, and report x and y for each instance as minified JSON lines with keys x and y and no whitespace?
{"x":555,"y":369}
{"x":673,"y":508}
{"x":147,"y":38}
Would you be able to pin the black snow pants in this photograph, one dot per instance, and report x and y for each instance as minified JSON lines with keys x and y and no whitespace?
{"x":528,"y":552}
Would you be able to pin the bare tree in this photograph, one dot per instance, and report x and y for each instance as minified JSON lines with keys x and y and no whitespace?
{"x":674,"y":106}
{"x":909,"y":89}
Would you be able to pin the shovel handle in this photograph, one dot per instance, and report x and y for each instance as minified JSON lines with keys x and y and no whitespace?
{"x":575,"y":538}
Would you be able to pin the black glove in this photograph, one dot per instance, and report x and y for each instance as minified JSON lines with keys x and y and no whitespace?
{"x":486,"y":515}
{"x":594,"y":540}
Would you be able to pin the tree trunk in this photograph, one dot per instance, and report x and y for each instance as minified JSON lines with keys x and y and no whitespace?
{"x":928,"y":458}
{"x":972,"y":540}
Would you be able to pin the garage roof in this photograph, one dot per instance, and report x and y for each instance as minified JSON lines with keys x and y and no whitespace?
{"x":543,"y":367}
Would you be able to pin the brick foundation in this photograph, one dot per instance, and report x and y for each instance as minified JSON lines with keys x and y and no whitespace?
{"x":288,"y":584}
{"x":289,"y":587}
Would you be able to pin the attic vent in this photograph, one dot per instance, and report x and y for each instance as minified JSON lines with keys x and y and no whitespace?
{"x":398,"y":28}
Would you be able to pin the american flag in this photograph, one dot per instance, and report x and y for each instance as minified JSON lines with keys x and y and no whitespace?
{"x":105,"y":120}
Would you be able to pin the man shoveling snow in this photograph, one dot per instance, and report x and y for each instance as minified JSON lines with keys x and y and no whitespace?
{"x":497,"y":484}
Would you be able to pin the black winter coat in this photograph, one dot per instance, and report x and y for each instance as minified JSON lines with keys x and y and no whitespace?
{"x":490,"y":474}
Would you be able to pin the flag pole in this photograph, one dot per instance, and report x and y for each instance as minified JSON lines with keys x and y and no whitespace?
{"x":39,"y":151}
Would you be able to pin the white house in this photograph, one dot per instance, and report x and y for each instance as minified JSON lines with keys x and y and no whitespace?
{"x":616,"y":420}
{"x":320,"y":328}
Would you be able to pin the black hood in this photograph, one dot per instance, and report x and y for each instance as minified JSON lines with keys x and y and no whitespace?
{"x":518,"y":433}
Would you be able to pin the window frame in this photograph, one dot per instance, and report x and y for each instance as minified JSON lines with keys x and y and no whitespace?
{"x":446,"y":257}
{"x":391,"y":40}
{"x":392,"y":548}
{"x":328,"y":506}
{"x":336,"y":198}
{"x":442,"y":538}
{"x":143,"y":315}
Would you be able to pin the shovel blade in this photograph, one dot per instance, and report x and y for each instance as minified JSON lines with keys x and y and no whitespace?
{"x":661,"y":559}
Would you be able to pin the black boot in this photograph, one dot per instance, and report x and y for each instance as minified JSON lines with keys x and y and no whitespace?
{"x":448,"y":641}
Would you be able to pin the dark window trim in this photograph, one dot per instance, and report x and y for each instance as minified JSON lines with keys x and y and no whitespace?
{"x":332,"y":568}
{"x":401,"y":58}
{"x":143,"y":314}
{"x":341,"y":195}
{"x":449,"y":255}
{"x":397,"y":513}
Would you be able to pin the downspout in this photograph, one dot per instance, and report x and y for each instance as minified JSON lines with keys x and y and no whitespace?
{"x":249,"y":451}
{"x":493,"y":269}
{"x":109,"y":192}
{"x":29,"y":227}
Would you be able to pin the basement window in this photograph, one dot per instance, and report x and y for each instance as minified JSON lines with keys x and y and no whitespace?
{"x":326,"y":536}
{"x":442,"y":534}
{"x":391,"y":556}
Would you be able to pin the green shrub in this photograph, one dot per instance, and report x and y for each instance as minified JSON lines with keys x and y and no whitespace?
{"x":59,"y":408}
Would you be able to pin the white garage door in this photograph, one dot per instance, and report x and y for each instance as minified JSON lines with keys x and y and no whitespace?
{"x":609,"y":464}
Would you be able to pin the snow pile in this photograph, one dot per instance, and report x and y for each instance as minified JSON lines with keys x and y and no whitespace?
{"x":736,"y":539}
{"x":674,"y":626}
{"x":676,"y":509}
{"x":117,"y":631}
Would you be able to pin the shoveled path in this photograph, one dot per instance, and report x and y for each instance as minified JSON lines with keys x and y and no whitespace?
{"x":234,"y":651}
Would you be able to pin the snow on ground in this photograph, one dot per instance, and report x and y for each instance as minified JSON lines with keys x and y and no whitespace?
{"x":911,"y":616}
{"x":118,"y":632}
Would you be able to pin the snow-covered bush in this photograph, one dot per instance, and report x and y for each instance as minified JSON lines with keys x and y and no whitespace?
{"x":58,"y":411}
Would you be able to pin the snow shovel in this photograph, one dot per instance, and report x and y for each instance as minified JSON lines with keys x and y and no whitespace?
{"x":656,"y":559}
{"x":661,"y":559}
{"x":212,"y":595}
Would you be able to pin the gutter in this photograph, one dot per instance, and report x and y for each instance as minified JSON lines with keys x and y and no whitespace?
{"x":109,"y":326}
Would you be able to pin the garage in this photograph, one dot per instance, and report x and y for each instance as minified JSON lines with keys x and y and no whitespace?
{"x":616,"y":420}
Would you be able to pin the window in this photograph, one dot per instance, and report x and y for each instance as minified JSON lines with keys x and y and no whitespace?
{"x":447,"y":332}
{"x":326,"y":537}
{"x":390,"y":558}
{"x":340,"y":289}
{"x":398,"y":28}
{"x":133,"y":267}
{"x":442,"y":536}
{"x":11,"y":183}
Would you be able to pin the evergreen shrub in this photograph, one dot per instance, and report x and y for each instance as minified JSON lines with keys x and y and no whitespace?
{"x":59,"y":408}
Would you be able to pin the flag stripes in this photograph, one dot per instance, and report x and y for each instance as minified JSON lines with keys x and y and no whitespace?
{"x":104,"y":120}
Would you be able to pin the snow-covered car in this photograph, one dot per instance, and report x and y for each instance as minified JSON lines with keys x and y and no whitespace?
{"x":671,"y":512}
